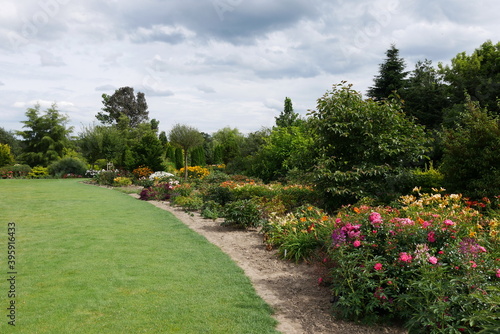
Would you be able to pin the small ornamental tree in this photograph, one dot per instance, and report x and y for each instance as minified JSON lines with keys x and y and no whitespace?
{"x":186,"y":138}
{"x":363,"y":146}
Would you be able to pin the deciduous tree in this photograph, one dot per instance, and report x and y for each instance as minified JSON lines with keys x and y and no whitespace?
{"x":124,"y":103}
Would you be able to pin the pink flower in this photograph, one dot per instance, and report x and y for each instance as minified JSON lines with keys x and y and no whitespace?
{"x":433,"y":260}
{"x":448,"y":222}
{"x":375,"y":218}
{"x":426,"y":224}
{"x":405,"y":257}
{"x":498,"y":273}
{"x":473,"y":264}
{"x":356,"y":243}
{"x":482,"y":249}
{"x":431,"y":236}
{"x":320,"y":280}
{"x":377,"y":266}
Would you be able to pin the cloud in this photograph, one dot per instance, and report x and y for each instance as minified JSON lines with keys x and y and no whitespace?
{"x":44,"y":104}
{"x":205,"y":88}
{"x":161,"y":33}
{"x":105,"y":88}
{"x":1,"y":83}
{"x":49,"y":59}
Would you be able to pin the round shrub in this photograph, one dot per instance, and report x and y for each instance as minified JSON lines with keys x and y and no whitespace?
{"x":122,"y":182}
{"x":242,"y":213}
{"x":67,"y":166}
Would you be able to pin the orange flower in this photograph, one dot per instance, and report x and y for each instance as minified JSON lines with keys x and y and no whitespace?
{"x":357,"y":210}
{"x":303,"y":219}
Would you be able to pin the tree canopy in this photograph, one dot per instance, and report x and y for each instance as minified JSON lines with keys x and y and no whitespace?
{"x":46,"y":136}
{"x":187,"y":138}
{"x":124,"y":103}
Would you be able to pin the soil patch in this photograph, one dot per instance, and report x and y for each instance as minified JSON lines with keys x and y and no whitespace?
{"x":292,"y":290}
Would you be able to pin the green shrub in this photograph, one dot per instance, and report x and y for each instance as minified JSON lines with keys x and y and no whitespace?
{"x":242,"y":214}
{"x":211,"y":210}
{"x":428,"y":179}
{"x":39,"y":172}
{"x":65,"y":166}
{"x":14,"y":171}
{"x":191,"y":203}
{"x":216,"y":193}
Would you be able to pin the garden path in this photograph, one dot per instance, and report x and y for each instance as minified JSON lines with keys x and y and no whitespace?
{"x":301,"y":305}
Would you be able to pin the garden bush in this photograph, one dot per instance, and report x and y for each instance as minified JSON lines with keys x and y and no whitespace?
{"x":190,"y":203}
{"x":39,"y":172}
{"x":122,"y":181}
{"x":211,"y":210}
{"x":298,"y":235}
{"x":65,"y":166}
{"x":14,"y":171}
{"x":242,"y":214}
{"x":422,"y":263}
{"x":158,"y":192}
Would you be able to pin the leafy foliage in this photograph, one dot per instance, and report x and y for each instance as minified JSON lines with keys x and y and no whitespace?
{"x":470,"y":161}
{"x":362,"y":146}
{"x":68,"y":166}
{"x":45,"y":137}
{"x":476,"y":75}
{"x":242,"y":214}
{"x":6,"y":157}
{"x":123,"y":102}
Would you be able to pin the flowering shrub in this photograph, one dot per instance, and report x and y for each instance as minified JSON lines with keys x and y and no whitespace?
{"x":159,"y":192}
{"x":422,"y":263}
{"x":142,"y":172}
{"x":14,"y":171}
{"x":160,"y":175}
{"x":297,"y":235}
{"x":196,"y":172}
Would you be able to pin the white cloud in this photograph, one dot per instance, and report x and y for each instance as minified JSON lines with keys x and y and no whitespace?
{"x":49,"y":59}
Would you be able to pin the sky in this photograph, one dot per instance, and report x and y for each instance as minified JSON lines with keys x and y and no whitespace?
{"x":212,"y":64}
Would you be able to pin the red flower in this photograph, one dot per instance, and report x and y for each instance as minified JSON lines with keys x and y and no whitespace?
{"x":377,"y":266}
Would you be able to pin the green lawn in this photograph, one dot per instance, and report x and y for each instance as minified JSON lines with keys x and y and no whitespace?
{"x":94,"y":260}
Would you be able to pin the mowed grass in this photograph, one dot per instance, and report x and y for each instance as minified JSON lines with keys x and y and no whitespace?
{"x":94,"y":260}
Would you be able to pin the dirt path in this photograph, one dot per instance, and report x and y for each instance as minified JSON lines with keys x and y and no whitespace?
{"x":292,"y":290}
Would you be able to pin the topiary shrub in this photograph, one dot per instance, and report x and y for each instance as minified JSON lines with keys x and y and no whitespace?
{"x":67,"y":166}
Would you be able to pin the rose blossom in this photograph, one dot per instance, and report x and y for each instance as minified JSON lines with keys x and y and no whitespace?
{"x":405,"y":257}
{"x":356,"y":243}
{"x":433,"y":260}
{"x":377,"y":266}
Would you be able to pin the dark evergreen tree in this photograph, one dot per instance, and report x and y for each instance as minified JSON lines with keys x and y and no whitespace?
{"x":425,"y":95}
{"x":391,"y":77}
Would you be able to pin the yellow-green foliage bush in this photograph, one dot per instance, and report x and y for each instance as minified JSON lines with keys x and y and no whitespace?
{"x":39,"y":172}
{"x":122,"y":181}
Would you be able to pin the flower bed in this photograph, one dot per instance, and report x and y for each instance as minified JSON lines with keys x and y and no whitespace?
{"x":433,"y":263}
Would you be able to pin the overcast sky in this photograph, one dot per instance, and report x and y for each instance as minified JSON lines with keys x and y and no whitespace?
{"x":217,"y":63}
